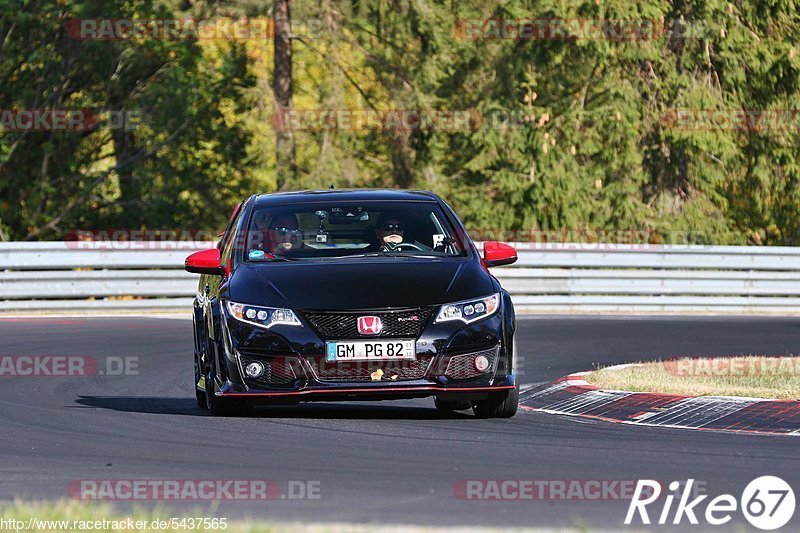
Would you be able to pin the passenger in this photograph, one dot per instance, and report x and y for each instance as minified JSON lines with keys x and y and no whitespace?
{"x":284,"y":235}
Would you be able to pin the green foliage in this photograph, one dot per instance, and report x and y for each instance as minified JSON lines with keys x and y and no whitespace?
{"x":181,"y":161}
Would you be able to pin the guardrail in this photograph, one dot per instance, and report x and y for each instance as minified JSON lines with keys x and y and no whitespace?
{"x":61,"y":276}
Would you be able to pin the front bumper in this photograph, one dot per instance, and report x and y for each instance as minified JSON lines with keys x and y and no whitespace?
{"x":297,"y":371}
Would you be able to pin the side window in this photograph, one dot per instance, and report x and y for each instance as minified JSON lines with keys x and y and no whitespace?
{"x":228,"y":239}
{"x":226,"y":235}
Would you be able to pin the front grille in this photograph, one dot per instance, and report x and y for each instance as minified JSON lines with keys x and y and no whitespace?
{"x":402,"y":370}
{"x":277,"y":371}
{"x":463,"y":366}
{"x":407,"y":323}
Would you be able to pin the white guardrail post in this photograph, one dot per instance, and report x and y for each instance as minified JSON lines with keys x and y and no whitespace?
{"x":548,"y":278}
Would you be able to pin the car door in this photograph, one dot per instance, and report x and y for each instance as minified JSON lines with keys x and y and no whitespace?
{"x":211,"y":283}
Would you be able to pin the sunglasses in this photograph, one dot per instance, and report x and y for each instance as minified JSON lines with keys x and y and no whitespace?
{"x":285,"y":231}
{"x":392,"y":227}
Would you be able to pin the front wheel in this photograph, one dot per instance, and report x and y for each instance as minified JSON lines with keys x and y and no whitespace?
{"x":199,"y":395}
{"x":499,"y":404}
{"x":219,"y":406}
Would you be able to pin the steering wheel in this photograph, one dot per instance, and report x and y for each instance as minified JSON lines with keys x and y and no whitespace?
{"x":401,"y":245}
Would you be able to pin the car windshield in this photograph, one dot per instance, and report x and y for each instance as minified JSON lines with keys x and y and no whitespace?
{"x":328,"y":229}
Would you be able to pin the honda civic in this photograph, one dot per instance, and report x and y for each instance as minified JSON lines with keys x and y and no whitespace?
{"x":343,"y":295}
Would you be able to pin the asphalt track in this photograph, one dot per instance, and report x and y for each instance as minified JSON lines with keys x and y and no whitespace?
{"x":383,"y":462}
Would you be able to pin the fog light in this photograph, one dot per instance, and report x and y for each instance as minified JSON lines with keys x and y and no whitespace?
{"x":255,"y":370}
{"x":481,"y":363}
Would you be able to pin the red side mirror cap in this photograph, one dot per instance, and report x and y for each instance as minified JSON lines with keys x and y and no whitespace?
{"x":498,"y":254}
{"x":204,"y":262}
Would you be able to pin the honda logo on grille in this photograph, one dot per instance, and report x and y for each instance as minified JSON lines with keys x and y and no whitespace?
{"x":369,"y":325}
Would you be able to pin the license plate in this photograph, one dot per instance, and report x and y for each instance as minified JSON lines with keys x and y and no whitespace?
{"x":370,"y":350}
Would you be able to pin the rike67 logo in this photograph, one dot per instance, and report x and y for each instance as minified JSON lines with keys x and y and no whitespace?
{"x":767,"y":503}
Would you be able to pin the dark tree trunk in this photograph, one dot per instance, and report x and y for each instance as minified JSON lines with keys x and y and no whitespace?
{"x":282,"y":85}
{"x":130,"y":193}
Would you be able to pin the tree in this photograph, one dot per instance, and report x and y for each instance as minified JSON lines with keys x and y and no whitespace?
{"x":180,"y":160}
{"x":284,"y":139}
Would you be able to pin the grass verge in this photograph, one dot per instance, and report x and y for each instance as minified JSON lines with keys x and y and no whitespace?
{"x":751,"y":376}
{"x":75,"y":516}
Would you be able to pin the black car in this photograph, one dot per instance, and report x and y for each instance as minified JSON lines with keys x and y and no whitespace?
{"x":352,"y":295}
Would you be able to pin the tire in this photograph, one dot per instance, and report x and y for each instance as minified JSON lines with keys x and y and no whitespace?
{"x":445,"y":406}
{"x":199,"y":395}
{"x":498,"y":405}
{"x":219,"y":406}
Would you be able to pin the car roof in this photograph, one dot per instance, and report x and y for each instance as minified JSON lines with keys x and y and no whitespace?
{"x":355,"y":195}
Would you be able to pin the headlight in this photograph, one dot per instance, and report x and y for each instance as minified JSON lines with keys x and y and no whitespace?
{"x":469,"y":311}
{"x":264,"y":317}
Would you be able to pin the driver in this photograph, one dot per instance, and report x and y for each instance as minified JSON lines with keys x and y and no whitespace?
{"x":392,"y":234}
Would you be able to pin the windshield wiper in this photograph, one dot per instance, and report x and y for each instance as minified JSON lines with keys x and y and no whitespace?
{"x":386,"y":254}
{"x":365,"y":254}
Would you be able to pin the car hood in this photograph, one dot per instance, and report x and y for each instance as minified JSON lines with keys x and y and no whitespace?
{"x":359,"y":284}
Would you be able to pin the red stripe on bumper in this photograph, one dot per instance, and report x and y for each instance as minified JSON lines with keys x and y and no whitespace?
{"x":368,"y":391}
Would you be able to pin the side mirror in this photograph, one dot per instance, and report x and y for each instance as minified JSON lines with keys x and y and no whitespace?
{"x":204,"y":262}
{"x":498,"y":254}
